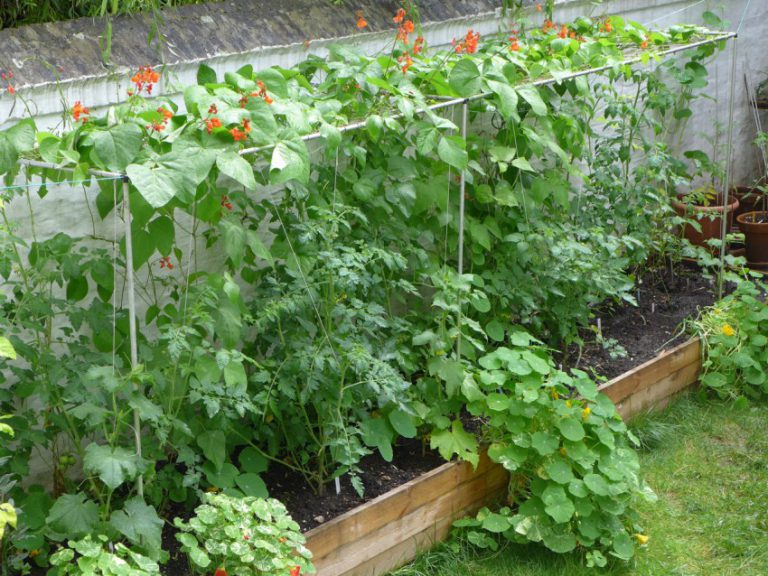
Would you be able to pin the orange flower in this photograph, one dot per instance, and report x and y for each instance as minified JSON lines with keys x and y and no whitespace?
{"x":225,"y":202}
{"x":157,"y":126}
{"x":262,"y":93}
{"x":408,"y":26}
{"x":213,"y":109}
{"x":563,"y":32}
{"x":515,"y":45}
{"x":406,"y":62}
{"x":145,"y":79}
{"x":418,"y":45}
{"x":79,"y":110}
{"x":539,"y":7}
{"x":238,"y":134}
{"x":212,"y":123}
{"x":220,"y":572}
{"x":167,"y":114}
{"x":165,"y":262}
{"x":644,"y":44}
{"x":295,"y":571}
{"x":246,"y":126}
{"x":11,"y":90}
{"x":608,"y":25}
{"x":361,"y":23}
{"x":399,"y":16}
{"x":469,"y":44}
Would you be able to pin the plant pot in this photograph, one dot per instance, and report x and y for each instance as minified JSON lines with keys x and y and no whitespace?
{"x":708,"y":217}
{"x":750,"y":200}
{"x":755,"y":228}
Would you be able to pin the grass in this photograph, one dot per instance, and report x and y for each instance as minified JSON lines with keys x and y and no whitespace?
{"x":708,"y":463}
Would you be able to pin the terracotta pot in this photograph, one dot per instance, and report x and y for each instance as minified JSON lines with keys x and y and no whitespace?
{"x":755,"y":228}
{"x":708,"y":217}
{"x":750,"y":200}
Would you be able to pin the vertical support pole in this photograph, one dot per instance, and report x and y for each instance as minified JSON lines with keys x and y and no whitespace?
{"x":462,"y":188}
{"x":728,"y":170}
{"x":133,"y":337}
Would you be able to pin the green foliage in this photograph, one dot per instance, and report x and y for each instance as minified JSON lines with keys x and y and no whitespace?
{"x":734,"y":335}
{"x":247,"y":536}
{"x":95,"y":557}
{"x":575,"y":474}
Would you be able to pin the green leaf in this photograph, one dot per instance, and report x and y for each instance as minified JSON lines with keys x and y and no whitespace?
{"x":290,"y":161}
{"x":559,"y":543}
{"x":8,"y":155}
{"x":511,"y":457}
{"x":234,"y":239}
{"x":115,"y":148}
{"x":252,"y":461}
{"x":571,"y":429}
{"x":139,"y":523}
{"x":531,"y":95}
{"x":402,"y":422}
{"x":22,"y":135}
{"x":496,"y":523}
{"x":378,"y":434}
{"x":73,"y":516}
{"x":465,"y":78}
{"x":623,"y":547}
{"x":236,"y":167}
{"x":206,"y":75}
{"x":113,"y":466}
{"x":163,"y":234}
{"x":174,"y":175}
{"x":252,"y":485}
{"x":596,"y":484}
{"x":557,"y":504}
{"x":495,"y":330}
{"x":544,"y":443}
{"x":213,"y":444}
{"x":235,"y":378}
{"x":559,"y":470}
{"x":455,"y":440}
{"x":6,"y":349}
{"x":506,"y":99}
{"x":452,"y":151}
{"x":77,"y":288}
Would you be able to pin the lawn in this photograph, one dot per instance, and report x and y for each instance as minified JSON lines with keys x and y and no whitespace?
{"x":708,"y":463}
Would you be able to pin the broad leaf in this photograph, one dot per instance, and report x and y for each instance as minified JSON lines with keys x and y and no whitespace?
{"x":139,"y":523}
{"x":114,"y":149}
{"x":73,"y":515}
{"x":113,"y":467}
{"x":290,"y":161}
{"x":236,"y":167}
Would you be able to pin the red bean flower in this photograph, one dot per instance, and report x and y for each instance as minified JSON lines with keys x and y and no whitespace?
{"x":220,"y":572}
{"x":145,"y":79}
{"x":295,"y":571}
{"x":80,"y":112}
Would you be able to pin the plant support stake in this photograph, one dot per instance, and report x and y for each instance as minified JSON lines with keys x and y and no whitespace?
{"x":462,"y":188}
{"x":728,"y":171}
{"x":132,"y":318}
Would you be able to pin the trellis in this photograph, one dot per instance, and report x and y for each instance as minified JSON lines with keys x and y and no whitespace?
{"x":630,"y":59}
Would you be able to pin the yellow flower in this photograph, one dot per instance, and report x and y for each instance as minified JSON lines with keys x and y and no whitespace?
{"x":728,"y":330}
{"x":555,"y":394}
{"x":568,"y":403}
{"x":642,"y":539}
{"x":563,"y":451}
{"x":585,"y":413}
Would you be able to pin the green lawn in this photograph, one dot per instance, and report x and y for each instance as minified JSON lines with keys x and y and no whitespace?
{"x":708,"y":463}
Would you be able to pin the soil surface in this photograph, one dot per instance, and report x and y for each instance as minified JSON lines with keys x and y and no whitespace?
{"x":630,"y":336}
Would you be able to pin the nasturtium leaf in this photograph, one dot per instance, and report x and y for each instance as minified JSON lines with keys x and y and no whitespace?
{"x":73,"y":516}
{"x":498,"y":402}
{"x":116,"y":147}
{"x":290,"y":161}
{"x":557,"y":504}
{"x":465,"y":78}
{"x":544,"y":442}
{"x":623,"y":547}
{"x":510,"y":457}
{"x":559,"y":470}
{"x":597,"y":484}
{"x":452,"y":151}
{"x":561,"y":543}
{"x":236,"y":167}
{"x":496,"y":523}
{"x":571,"y":429}
{"x":213,"y":444}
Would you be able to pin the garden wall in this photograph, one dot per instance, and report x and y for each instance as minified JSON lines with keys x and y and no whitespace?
{"x":62,"y":62}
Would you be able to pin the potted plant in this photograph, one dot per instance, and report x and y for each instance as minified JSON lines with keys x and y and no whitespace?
{"x":754,"y":223}
{"x":703,"y":208}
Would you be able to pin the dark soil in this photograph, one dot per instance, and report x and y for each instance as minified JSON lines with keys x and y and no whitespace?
{"x":310,"y":510}
{"x":633,"y":335}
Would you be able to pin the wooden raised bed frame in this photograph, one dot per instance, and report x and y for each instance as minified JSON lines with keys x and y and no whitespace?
{"x":392,"y":529}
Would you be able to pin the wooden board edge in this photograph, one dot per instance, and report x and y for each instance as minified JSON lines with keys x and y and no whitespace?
{"x":652,"y":371}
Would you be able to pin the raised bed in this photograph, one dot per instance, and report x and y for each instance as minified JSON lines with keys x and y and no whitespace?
{"x":392,"y":529}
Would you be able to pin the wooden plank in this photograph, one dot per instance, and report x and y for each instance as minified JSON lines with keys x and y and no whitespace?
{"x":652,"y":396}
{"x":422,"y":521}
{"x":380,"y":511}
{"x":653,"y":371}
